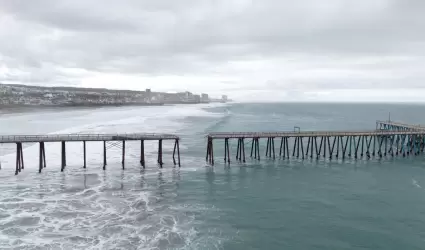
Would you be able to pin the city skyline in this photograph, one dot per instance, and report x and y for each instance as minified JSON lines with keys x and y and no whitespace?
{"x":14,"y":94}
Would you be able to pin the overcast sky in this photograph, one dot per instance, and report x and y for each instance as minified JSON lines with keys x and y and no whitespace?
{"x":265,"y":50}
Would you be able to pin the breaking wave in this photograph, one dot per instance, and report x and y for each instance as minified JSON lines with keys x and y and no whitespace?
{"x":95,"y":209}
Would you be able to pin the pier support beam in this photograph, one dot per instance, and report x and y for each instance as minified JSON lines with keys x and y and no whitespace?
{"x":160,"y":153}
{"x":19,"y":158}
{"x":238,"y":149}
{"x":243,"y":150}
{"x":22,"y":156}
{"x":176,"y":147}
{"x":123,"y":155}
{"x":142,"y":153}
{"x":42,"y":157}
{"x":104,"y":155}
{"x":63,"y":156}
{"x":85,"y":154}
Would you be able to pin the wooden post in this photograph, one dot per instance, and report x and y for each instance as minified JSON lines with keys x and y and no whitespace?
{"x":160,"y":153}
{"x":302,"y":147}
{"x":255,"y":148}
{"x":338,"y":138}
{"x":258,"y":148}
{"x":386,"y":143}
{"x":330,"y":149}
{"x":287,"y":147}
{"x":85,"y":154}
{"x":123,"y":154}
{"x":63,"y":156}
{"x":324,"y":146}
{"x":174,"y":152}
{"x":345,"y":147}
{"x":212,"y":152}
{"x":104,"y":155}
{"x":142,"y":153}
{"x":308,"y":145}
{"x":281,"y":146}
{"x":357,"y":147}
{"x":22,"y":155}
{"x":252,"y":146}
{"x":207,"y":157}
{"x":333,"y":147}
{"x":312,"y":147}
{"x":238,"y":149}
{"x":18,"y":159}
{"x":40,"y":158}
{"x":44,"y":154}
{"x":243,"y":150}
{"x":178,"y":151}
{"x":272,"y":144}
{"x":228,"y":151}
{"x":267,"y":147}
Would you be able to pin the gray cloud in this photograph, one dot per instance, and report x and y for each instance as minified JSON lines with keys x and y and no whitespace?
{"x":276,"y":45}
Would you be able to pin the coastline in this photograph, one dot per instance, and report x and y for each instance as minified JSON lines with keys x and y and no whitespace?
{"x":21,"y":108}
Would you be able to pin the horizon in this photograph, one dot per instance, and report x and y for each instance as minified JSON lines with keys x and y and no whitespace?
{"x":231,"y":99}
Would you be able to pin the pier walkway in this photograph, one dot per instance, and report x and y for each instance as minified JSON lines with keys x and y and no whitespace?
{"x":112,"y":139}
{"x":390,"y":138}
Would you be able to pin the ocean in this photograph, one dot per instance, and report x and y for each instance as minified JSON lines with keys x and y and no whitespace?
{"x":270,"y":204}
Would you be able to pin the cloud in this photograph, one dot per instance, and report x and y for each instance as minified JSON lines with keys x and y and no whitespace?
{"x":239,"y":47}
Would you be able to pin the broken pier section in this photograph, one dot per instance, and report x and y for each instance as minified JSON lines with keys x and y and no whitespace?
{"x":111,"y":139}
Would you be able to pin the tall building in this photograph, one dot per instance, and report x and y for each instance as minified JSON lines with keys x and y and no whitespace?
{"x":224,"y":98}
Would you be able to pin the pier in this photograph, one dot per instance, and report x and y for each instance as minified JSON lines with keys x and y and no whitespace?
{"x":389,"y":139}
{"x":111,"y":139}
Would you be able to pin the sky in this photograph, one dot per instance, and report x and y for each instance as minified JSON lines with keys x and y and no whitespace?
{"x":265,"y":50}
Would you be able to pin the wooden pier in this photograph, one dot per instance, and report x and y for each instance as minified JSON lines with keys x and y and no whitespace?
{"x":390,"y":138}
{"x":112,"y":139}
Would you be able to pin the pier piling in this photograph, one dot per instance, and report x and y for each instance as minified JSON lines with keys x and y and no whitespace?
{"x":85,"y":154}
{"x":104,"y":155}
{"x":142,"y":153}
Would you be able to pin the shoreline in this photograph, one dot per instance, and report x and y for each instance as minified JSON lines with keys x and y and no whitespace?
{"x":18,"y":108}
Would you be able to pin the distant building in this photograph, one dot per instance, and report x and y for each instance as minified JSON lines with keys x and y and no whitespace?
{"x":224,"y":98}
{"x":197,"y":98}
{"x":205,"y":98}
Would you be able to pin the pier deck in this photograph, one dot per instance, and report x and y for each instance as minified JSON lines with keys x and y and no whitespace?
{"x":85,"y":137}
{"x":224,"y":135}
{"x":392,"y":138}
{"x":114,"y":140}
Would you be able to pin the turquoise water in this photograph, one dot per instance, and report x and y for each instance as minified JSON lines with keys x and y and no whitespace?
{"x":281,"y":204}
